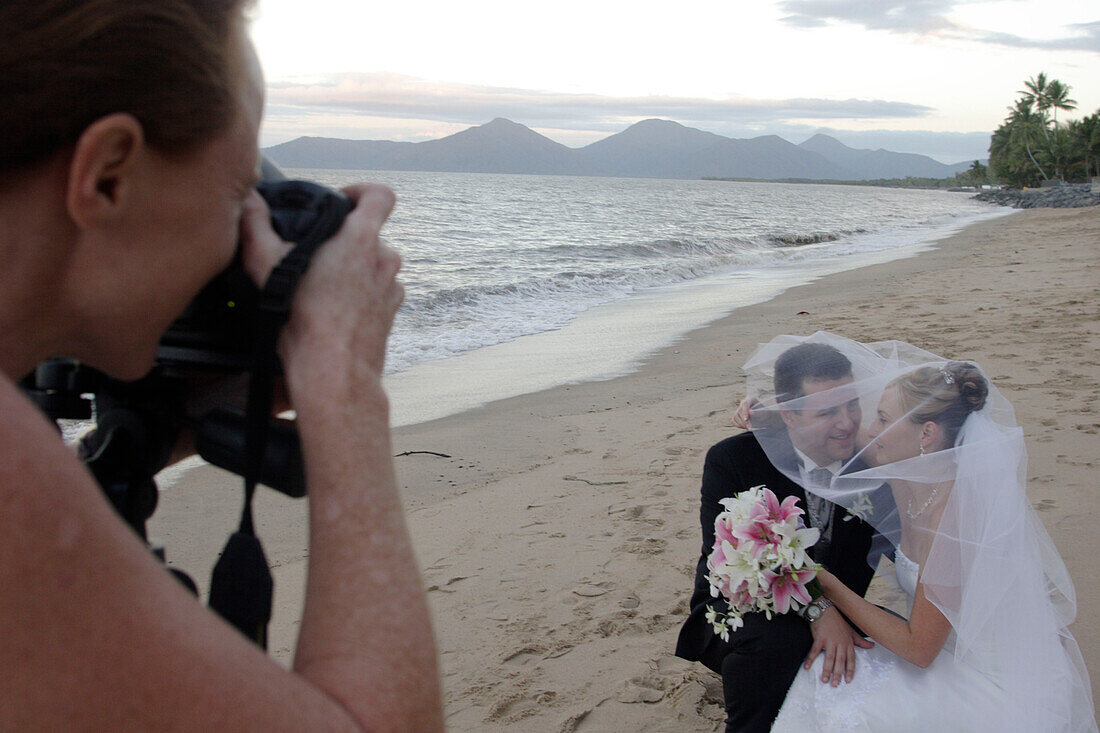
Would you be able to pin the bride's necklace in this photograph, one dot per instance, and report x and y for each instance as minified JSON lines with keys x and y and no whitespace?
{"x":931,"y":497}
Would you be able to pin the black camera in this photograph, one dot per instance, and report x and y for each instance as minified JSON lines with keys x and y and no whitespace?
{"x":226,"y":329}
{"x":218,"y":330}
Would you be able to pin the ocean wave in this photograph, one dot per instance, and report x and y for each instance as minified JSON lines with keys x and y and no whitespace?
{"x":657,"y":249}
{"x":523,"y":255}
{"x":443,"y":323}
{"x":801,"y":240}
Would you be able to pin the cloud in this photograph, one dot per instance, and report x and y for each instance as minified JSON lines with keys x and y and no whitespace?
{"x":396,"y":96}
{"x":928,"y":17}
{"x":1087,"y":40}
{"x":908,"y":16}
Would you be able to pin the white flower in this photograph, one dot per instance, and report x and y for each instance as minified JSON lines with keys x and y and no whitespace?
{"x":861,"y":509}
{"x":724,"y":623}
{"x":715,"y":619}
{"x":792,"y":552}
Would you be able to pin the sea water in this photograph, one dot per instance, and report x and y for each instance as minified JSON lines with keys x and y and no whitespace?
{"x":518,"y":283}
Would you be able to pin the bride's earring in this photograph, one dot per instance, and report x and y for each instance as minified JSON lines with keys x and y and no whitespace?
{"x":921,"y":447}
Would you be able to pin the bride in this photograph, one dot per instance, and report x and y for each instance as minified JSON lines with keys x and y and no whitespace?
{"x":985,"y":646}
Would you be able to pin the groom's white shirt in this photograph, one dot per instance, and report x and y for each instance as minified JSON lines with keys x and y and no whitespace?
{"x":816,"y":505}
{"x":807,"y":464}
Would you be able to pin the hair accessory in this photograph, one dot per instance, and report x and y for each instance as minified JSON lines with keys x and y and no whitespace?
{"x":947,"y":376}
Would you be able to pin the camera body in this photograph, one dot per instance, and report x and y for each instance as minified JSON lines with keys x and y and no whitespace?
{"x":217,"y":331}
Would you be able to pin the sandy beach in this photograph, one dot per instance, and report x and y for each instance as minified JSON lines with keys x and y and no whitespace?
{"x":558,"y":531}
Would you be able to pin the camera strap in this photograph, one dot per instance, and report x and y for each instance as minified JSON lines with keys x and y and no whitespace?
{"x":241,"y":589}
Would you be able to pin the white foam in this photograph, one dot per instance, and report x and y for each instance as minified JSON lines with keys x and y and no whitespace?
{"x":613,"y":339}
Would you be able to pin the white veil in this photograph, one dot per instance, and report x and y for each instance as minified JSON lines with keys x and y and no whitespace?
{"x":963,"y":515}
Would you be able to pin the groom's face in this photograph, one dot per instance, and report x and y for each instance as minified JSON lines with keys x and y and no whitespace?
{"x":825,"y":424}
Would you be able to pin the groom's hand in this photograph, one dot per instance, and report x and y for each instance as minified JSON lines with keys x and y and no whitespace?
{"x":834,"y":637}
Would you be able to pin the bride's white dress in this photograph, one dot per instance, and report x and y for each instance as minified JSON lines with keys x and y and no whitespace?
{"x":891,"y":694}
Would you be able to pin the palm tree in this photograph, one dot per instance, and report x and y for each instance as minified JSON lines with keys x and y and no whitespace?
{"x":1035,"y":88}
{"x":1086,"y":134}
{"x":1023,"y":123}
{"x":1008,"y":159}
{"x":1035,"y":94}
{"x":1050,"y":95}
{"x":1057,"y":97}
{"x":978,"y":173}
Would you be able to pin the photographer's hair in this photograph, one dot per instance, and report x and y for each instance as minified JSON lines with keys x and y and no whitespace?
{"x":66,"y":63}
{"x":812,"y":361}
{"x":943,"y":395}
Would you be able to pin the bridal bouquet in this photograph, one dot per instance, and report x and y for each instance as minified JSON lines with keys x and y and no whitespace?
{"x":759,"y":561}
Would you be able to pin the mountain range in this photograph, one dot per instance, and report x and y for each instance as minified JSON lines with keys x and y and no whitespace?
{"x":648,"y":149}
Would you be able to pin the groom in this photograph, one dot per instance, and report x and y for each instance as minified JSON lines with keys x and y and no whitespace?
{"x":760,"y":660}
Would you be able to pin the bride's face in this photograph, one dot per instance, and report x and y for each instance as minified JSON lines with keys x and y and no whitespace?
{"x":894,"y":437}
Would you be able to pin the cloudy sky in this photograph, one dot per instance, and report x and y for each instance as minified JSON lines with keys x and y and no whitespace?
{"x":922,"y":76}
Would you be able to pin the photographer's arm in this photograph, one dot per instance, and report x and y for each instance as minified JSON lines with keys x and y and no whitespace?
{"x":366,"y":636}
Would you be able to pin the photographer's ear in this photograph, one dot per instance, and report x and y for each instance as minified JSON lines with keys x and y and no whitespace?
{"x":102,"y":168}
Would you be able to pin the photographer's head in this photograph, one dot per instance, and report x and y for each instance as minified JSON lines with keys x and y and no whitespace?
{"x":130,"y":130}
{"x":820,"y":422}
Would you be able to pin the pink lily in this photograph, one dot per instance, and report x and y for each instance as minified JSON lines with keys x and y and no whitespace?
{"x":723,"y":531}
{"x":755,"y":537}
{"x":774,"y":511}
{"x":788,"y":586}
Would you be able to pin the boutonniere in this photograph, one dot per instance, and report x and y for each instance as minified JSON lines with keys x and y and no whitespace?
{"x":861,"y":509}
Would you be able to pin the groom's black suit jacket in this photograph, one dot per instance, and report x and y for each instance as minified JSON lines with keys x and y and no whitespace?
{"x":734,"y":465}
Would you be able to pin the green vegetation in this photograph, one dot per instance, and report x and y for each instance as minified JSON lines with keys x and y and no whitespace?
{"x":1032,"y":146}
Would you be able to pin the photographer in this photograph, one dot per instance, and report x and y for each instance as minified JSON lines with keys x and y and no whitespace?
{"x":128,"y":166}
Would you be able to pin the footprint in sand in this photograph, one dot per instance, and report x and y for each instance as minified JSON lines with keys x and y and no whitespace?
{"x":645,"y":546}
{"x":515,"y":708}
{"x":525,"y":655}
{"x":592,"y":590}
{"x":649,"y":688}
{"x":1045,"y":505}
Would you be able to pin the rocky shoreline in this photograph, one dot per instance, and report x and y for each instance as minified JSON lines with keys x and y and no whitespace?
{"x":1067,"y":196}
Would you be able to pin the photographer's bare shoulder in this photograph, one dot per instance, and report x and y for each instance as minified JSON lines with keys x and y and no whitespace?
{"x":45,"y":530}
{"x":34,"y":465}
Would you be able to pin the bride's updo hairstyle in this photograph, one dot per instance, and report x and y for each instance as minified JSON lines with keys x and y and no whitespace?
{"x":66,"y":63}
{"x":945,"y":395}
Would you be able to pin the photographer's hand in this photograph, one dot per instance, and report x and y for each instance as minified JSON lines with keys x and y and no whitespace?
{"x":365,"y":636}
{"x":350,"y":293}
